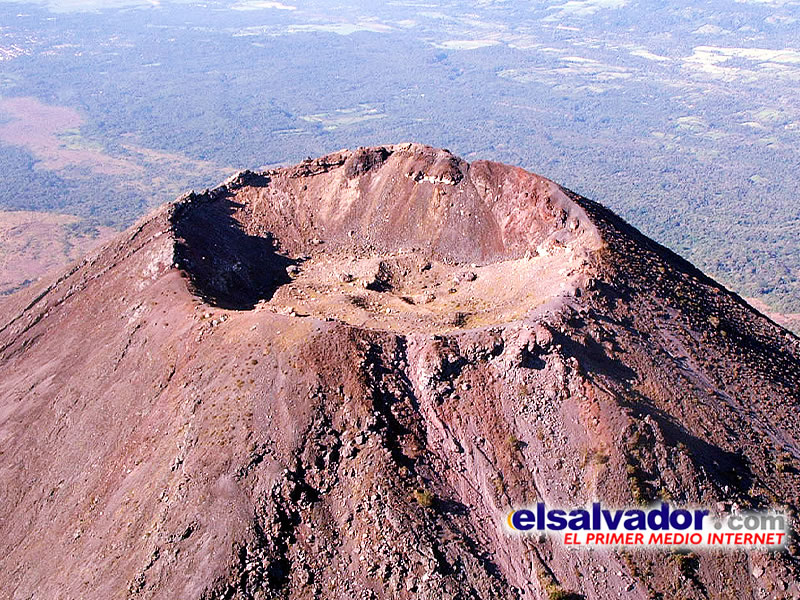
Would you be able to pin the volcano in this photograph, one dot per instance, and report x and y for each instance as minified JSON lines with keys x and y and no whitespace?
{"x":336,"y":379}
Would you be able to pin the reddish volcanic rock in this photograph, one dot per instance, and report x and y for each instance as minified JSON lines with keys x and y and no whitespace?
{"x":334,"y":380}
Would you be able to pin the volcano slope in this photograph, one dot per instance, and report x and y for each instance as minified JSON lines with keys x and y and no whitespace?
{"x":334,"y":380}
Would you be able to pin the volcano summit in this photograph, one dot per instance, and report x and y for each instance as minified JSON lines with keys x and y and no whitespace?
{"x":335,"y":380}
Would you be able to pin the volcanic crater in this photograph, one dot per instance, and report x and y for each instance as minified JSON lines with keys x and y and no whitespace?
{"x":403,"y":238}
{"x":334,"y":380}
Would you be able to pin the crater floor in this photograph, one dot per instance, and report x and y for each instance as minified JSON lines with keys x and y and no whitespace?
{"x":403,"y":293}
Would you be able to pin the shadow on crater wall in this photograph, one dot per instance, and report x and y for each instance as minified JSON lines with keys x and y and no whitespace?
{"x":227,"y":267}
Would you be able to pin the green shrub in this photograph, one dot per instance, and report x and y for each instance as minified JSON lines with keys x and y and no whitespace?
{"x":423,"y":497}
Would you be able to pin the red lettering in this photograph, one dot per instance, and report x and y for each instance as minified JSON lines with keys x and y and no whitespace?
{"x":656,"y":539}
{"x":570,"y":539}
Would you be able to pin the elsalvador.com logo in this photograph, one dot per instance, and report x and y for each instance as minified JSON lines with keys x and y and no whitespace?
{"x":659,"y":525}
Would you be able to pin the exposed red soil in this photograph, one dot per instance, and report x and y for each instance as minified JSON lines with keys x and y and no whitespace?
{"x":257,"y":392}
